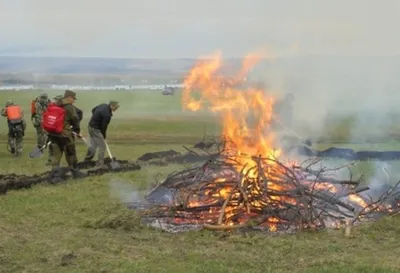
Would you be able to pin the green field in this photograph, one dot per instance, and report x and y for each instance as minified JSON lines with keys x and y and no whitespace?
{"x":82,"y":226}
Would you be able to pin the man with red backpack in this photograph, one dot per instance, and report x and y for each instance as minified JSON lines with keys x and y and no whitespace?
{"x":60,"y":120}
{"x":56,"y":100}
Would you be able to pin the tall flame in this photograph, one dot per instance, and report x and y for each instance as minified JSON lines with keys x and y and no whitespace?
{"x":246,"y":114}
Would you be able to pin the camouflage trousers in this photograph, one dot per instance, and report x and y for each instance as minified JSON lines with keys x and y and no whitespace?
{"x":15,"y":144}
{"x":41,"y":140}
{"x":96,"y":141}
{"x":40,"y":136}
{"x":63,"y":145}
{"x":16,"y":133}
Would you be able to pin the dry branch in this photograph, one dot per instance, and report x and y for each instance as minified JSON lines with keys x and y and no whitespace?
{"x":232,"y":191}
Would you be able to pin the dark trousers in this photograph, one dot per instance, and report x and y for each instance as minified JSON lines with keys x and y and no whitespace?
{"x":60,"y":145}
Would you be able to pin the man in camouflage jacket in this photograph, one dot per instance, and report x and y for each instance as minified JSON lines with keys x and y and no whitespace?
{"x":42,"y":102}
{"x":18,"y":128}
{"x":64,"y":142}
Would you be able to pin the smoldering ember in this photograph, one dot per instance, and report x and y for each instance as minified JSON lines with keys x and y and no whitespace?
{"x":247,"y":183}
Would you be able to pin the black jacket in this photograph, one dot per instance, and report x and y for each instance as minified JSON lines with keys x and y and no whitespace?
{"x":80,"y":113}
{"x":101,"y":117}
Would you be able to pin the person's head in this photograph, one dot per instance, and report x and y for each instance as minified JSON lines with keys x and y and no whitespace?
{"x":43,"y":97}
{"x":69,"y":96}
{"x":113,"y":105}
{"x":9,"y":103}
{"x":57,"y":99}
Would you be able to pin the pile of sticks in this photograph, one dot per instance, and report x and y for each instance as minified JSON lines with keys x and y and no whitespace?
{"x":266,"y":193}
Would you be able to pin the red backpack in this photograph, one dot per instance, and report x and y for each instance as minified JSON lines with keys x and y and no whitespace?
{"x":53,"y":119}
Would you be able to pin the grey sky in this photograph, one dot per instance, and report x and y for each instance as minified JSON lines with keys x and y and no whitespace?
{"x":187,"y":28}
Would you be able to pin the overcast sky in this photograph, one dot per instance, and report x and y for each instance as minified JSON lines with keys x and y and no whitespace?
{"x":188,"y":28}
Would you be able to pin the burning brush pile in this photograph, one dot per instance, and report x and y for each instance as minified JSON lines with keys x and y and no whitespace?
{"x":266,"y":194}
{"x":249,"y":184}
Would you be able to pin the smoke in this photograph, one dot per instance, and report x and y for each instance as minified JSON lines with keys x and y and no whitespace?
{"x":126,"y":192}
{"x":341,"y":97}
{"x":383,"y":174}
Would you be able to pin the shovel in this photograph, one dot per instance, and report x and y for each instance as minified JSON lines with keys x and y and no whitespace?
{"x":38,"y":151}
{"x":114,"y":164}
{"x":81,"y":137}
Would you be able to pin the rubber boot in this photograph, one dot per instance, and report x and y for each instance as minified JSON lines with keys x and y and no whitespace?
{"x":100,"y":165}
{"x":56,"y":176}
{"x":76,"y":174}
{"x":89,"y":155}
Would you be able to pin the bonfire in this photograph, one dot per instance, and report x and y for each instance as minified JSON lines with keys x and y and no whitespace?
{"x":249,"y":184}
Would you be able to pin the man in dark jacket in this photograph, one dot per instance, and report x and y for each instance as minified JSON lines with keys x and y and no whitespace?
{"x":79,"y":112}
{"x":98,"y":124}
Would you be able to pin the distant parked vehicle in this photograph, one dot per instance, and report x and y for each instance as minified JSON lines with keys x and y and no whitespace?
{"x":168,"y":91}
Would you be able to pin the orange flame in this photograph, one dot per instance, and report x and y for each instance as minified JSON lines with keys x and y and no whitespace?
{"x":237,"y":107}
{"x":358,"y":200}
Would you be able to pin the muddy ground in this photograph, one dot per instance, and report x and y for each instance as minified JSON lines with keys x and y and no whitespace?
{"x":15,"y":182}
{"x":199,"y":153}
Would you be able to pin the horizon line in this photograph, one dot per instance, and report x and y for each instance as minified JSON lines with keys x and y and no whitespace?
{"x":191,"y":58}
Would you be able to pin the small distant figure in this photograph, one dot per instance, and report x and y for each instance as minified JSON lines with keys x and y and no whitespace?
{"x":16,"y":126}
{"x":98,"y":124}
{"x":168,"y":91}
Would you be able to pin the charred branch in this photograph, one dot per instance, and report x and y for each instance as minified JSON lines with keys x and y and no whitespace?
{"x":232,"y":190}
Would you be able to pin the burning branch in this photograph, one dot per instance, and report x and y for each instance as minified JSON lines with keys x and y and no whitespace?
{"x":224,"y":194}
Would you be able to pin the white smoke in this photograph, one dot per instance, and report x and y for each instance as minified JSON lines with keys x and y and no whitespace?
{"x":381,"y":179}
{"x":125,"y":191}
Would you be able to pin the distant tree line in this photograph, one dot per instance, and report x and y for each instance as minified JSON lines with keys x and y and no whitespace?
{"x":87,"y":79}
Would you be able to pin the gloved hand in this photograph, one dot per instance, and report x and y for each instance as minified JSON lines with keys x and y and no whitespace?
{"x":78,"y":135}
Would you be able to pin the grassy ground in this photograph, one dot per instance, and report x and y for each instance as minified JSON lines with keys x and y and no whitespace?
{"x":82,"y":226}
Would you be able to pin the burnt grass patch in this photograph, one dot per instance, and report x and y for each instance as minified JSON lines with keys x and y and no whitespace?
{"x":206,"y":150}
{"x":16,"y":182}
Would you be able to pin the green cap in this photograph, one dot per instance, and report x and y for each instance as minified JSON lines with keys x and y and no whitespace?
{"x":113,"y":102}
{"x":43,"y":95}
{"x":58,"y":97}
{"x":9,"y":102}
{"x":69,"y":93}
